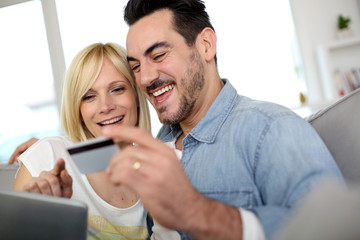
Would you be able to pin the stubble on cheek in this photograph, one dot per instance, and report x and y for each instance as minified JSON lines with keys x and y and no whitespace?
{"x":192,"y":83}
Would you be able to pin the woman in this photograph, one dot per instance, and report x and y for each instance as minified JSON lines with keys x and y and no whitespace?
{"x":99,"y":92}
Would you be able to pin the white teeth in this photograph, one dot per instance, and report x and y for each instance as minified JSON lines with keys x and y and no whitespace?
{"x":111,"y":121}
{"x":165,"y":89}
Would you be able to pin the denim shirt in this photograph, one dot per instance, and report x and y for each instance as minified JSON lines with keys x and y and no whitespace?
{"x":254,"y":155}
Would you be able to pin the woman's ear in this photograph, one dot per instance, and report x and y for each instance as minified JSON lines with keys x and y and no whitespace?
{"x":208,"y":39}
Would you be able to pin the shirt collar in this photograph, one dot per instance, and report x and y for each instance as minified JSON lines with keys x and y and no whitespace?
{"x":208,"y":127}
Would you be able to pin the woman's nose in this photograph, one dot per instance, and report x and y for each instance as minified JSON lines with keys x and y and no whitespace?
{"x":106,"y":104}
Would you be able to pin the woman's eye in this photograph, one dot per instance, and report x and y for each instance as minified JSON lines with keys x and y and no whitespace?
{"x":118,"y":89}
{"x":88,"y":97}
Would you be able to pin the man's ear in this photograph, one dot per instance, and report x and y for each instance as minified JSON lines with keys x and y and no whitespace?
{"x":207,"y":39}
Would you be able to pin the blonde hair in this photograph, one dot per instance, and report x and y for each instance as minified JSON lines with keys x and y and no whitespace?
{"x":81,"y":75}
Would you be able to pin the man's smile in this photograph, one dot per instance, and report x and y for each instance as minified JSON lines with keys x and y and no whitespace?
{"x":163,"y":90}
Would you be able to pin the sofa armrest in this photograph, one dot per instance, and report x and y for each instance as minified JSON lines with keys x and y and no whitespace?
{"x":339,"y":127}
{"x":7,"y":175}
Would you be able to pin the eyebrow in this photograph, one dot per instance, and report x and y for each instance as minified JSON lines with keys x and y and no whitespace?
{"x":150,"y":49}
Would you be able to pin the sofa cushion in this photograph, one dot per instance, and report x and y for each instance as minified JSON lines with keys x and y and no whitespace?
{"x":339,"y":127}
{"x":328,"y":212}
{"x":7,"y":175}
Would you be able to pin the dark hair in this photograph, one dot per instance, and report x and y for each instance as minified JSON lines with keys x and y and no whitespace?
{"x":189,"y":16}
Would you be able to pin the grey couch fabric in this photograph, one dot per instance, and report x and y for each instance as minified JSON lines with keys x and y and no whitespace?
{"x":329,"y":212}
{"x":7,"y":175}
{"x":339,"y":127}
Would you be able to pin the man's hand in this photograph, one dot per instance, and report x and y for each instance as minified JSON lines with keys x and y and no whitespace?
{"x":20,"y":149}
{"x":56,"y":182}
{"x":153,"y":171}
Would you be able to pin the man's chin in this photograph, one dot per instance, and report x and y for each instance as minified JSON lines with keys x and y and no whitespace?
{"x":167,"y":120}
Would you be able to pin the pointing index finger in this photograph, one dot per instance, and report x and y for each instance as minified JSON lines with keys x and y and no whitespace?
{"x":59,"y":166}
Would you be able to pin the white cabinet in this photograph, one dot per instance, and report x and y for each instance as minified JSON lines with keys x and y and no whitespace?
{"x":337,"y":62}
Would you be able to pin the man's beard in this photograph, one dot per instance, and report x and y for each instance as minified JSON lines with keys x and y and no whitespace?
{"x":192,"y":83}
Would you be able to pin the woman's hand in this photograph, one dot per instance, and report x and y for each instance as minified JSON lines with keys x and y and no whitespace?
{"x":56,"y":182}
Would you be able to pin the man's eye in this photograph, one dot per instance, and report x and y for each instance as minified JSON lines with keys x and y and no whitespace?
{"x":135,"y":68}
{"x":159,"y":56}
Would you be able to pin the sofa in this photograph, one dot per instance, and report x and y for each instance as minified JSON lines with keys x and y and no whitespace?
{"x":7,"y":175}
{"x":339,"y":127}
{"x":332,"y":211}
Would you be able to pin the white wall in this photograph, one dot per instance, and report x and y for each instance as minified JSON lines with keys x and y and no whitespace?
{"x":315,"y":23}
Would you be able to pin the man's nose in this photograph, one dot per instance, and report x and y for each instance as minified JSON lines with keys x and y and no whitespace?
{"x":148,"y":74}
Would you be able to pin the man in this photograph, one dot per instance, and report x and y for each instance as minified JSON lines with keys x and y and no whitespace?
{"x":245,"y":164}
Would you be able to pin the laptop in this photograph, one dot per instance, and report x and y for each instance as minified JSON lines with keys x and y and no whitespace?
{"x":26,"y":215}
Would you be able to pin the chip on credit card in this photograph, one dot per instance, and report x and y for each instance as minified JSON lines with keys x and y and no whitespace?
{"x":93,"y":155}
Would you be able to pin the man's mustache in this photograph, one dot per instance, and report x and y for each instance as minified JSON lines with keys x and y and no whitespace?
{"x":158,"y":83}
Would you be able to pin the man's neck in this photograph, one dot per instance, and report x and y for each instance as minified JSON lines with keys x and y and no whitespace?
{"x":194,"y":118}
{"x":178,"y":141}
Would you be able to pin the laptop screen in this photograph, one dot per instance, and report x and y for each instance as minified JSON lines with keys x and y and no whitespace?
{"x":26,"y":215}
